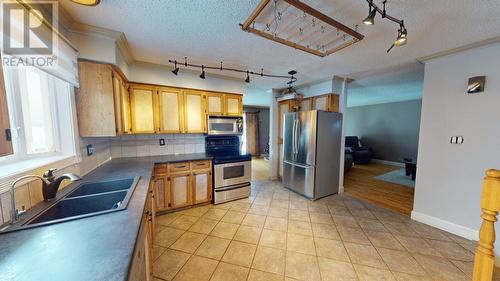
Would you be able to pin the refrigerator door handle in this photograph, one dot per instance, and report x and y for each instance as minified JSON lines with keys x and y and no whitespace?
{"x":304,"y":166}
{"x":296,"y":136}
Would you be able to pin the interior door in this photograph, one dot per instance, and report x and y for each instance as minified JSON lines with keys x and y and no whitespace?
{"x":170,"y":110}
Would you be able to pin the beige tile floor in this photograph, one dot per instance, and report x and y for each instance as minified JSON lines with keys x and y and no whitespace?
{"x":278,"y":235}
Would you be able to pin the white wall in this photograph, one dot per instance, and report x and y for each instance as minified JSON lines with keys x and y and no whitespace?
{"x":449,"y":176}
{"x":258,"y":97}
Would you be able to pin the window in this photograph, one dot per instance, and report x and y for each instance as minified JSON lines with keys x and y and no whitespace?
{"x":40,"y":113}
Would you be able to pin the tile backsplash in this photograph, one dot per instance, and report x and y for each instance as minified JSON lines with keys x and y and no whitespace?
{"x":149,"y":145}
{"x":30,"y":193}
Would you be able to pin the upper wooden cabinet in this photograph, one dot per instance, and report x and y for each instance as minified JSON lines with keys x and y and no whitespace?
{"x":329,"y":102}
{"x":224,"y":104}
{"x":122,"y":105}
{"x":215,"y":104}
{"x":95,"y":100}
{"x":108,"y":105}
{"x":233,"y":105}
{"x":170,"y":110}
{"x":142,"y":108}
{"x":194,"y":112}
{"x":306,"y":104}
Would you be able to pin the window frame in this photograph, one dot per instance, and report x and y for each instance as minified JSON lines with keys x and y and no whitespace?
{"x":6,"y":145}
{"x":62,"y":103}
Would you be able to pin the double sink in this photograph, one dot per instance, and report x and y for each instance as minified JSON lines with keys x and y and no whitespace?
{"x":88,"y":199}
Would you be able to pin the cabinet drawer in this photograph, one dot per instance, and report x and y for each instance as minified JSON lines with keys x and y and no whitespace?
{"x":178,"y":167}
{"x":198,"y":165}
{"x":161,"y":169}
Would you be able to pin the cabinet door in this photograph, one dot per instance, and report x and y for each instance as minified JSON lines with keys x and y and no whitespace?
{"x":142,"y":104}
{"x":305,"y":105}
{"x":321,"y":103}
{"x":194,"y":112}
{"x":180,"y":191}
{"x":170,"y":110}
{"x":202,"y":186}
{"x":162,"y":194}
{"x":122,"y":104}
{"x":215,"y":104}
{"x":125,"y":107}
{"x":233,"y":105}
{"x":95,"y":100}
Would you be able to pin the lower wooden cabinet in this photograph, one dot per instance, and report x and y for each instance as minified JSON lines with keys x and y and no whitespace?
{"x":180,"y":189}
{"x":183,"y":184}
{"x":142,"y":263}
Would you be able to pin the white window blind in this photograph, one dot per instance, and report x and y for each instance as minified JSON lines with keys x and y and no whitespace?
{"x":64,"y":64}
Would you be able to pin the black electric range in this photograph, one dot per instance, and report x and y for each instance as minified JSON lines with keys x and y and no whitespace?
{"x":231,"y":169}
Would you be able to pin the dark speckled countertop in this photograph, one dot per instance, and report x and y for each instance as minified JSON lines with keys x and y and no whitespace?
{"x":96,"y":248}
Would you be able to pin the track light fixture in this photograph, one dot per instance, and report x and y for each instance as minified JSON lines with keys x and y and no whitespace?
{"x":401,"y":39}
{"x":221,"y":68}
{"x":372,"y":12}
{"x":202,"y":75}
{"x":176,"y":69}
{"x":248,"y":77}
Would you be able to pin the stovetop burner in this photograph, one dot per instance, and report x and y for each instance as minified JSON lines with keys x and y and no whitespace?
{"x":225,"y":149}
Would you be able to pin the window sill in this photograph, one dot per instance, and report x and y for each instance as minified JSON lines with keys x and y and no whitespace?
{"x":9,"y":172}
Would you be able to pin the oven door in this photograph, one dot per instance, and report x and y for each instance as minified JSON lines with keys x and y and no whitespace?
{"x":232,"y":173}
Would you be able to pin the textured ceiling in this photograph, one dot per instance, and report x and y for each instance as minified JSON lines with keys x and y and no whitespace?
{"x":207,"y":31}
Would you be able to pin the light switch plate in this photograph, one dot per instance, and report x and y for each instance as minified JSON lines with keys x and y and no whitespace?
{"x":162,"y":142}
{"x":90,"y":150}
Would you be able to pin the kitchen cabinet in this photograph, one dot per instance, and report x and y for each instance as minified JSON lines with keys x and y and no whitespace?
{"x":194,"y":112}
{"x":328,"y":102}
{"x":224,"y":104}
{"x":306,"y":104}
{"x":142,"y":263}
{"x":215,"y":104}
{"x":233,"y":105}
{"x":122,"y":104}
{"x":170,"y":110}
{"x":182,"y":184}
{"x":95,"y":100}
{"x":180,"y":189}
{"x":142,"y":108}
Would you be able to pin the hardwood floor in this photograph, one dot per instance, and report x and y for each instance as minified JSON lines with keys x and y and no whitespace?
{"x":260,"y":169}
{"x":359,"y":183}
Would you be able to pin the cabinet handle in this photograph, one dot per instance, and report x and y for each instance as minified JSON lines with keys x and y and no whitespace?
{"x":178,"y":167}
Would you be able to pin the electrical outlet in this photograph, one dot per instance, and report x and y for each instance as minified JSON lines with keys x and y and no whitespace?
{"x":90,"y":150}
{"x":457,"y":140}
{"x":162,"y":142}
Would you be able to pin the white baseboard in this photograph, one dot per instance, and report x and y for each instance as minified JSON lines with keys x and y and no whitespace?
{"x":397,"y":164}
{"x":456,"y":229}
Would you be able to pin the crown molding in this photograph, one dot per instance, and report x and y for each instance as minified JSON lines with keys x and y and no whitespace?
{"x":459,"y":49}
{"x":125,"y":50}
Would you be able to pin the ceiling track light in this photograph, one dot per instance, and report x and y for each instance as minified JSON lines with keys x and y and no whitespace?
{"x":401,"y":39}
{"x":221,"y":68}
{"x":372,"y":12}
{"x":176,"y":69}
{"x":248,"y":77}
{"x":202,"y":75}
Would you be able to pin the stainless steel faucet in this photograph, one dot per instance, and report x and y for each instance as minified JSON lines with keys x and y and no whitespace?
{"x":50,"y":185}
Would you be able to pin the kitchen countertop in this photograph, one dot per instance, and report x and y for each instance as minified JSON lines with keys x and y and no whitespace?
{"x":94,"y":248}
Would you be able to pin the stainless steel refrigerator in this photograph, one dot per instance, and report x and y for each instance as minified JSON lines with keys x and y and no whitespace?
{"x":311,"y":152}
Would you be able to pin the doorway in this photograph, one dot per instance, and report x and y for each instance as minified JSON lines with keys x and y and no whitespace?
{"x":255,"y":140}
